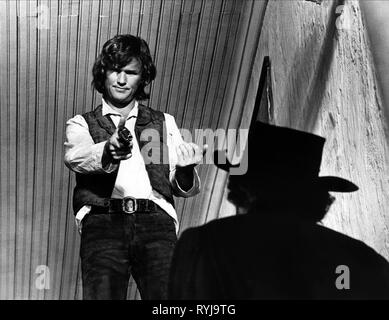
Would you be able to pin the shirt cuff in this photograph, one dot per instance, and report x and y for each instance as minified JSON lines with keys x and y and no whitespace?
{"x":179,"y":192}
{"x":80,"y":215}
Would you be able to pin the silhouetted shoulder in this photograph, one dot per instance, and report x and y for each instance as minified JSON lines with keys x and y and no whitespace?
{"x":268,"y":257}
{"x":191,"y":273}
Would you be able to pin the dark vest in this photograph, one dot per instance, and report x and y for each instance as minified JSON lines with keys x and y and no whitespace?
{"x":95,"y":189}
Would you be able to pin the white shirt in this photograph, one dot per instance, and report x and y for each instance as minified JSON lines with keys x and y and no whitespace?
{"x":82,"y":155}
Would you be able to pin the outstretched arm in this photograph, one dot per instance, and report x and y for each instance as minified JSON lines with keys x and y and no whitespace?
{"x":83,"y":155}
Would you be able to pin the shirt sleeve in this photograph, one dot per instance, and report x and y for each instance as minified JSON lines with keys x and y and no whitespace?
{"x":174,"y":139}
{"x":82,"y":155}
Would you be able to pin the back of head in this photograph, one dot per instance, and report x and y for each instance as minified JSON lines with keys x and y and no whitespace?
{"x":259,"y":195}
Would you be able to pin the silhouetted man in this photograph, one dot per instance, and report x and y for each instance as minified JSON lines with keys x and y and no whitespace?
{"x":277,"y":250}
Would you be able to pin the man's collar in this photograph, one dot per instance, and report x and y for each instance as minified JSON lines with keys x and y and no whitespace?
{"x":108,"y":110}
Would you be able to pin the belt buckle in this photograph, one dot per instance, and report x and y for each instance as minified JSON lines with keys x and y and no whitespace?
{"x":129,"y":205}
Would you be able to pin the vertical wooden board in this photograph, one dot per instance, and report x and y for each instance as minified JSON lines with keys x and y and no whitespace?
{"x":99,"y":42}
{"x":78,"y":292}
{"x":227,"y":94}
{"x":208,"y":174}
{"x":88,"y":51}
{"x":125,"y":16}
{"x":5,"y":140}
{"x":249,"y":96}
{"x":109,"y":19}
{"x":12,"y":67}
{"x":132,"y":291}
{"x":81,"y":66}
{"x":115,"y":16}
{"x":29,"y":109}
{"x":189,"y":210}
{"x":252,"y":39}
{"x":192,"y":47}
{"x":145,"y":14}
{"x":105,"y":22}
{"x":226,"y":207}
{"x":185,"y":49}
{"x":72,"y":58}
{"x":41,"y":189}
{"x":207,"y":114}
{"x":154,"y":25}
{"x":48,"y":120}
{"x":216,"y":119}
{"x":165,"y":58}
{"x":191,"y":16}
{"x":32,"y":125}
{"x":135,"y":16}
{"x":219,"y":180}
{"x":22,"y":136}
{"x":68,"y":284}
{"x":60,"y":192}
{"x":3,"y":148}
{"x":150,"y":23}
{"x":67,"y":106}
{"x":150,"y":32}
{"x":180,"y":209}
{"x":223,"y":43}
{"x":201,"y":65}
{"x":140,"y":12}
{"x":121,"y":13}
{"x":79,"y":100}
{"x":64,"y":214}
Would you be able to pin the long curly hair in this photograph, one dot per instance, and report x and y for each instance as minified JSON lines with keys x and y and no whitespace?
{"x":117,"y":53}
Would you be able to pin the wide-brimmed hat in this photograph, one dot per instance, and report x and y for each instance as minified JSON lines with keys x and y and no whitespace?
{"x":294,"y":157}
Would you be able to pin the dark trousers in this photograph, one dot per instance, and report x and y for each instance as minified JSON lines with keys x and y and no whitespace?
{"x":114,"y":246}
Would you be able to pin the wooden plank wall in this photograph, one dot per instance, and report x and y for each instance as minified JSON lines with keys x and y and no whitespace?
{"x":324,"y":82}
{"x":46,"y":56}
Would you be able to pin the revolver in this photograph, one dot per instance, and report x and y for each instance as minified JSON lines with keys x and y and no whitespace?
{"x":125,"y":136}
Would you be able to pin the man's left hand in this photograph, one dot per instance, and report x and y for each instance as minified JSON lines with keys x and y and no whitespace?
{"x":189,"y":154}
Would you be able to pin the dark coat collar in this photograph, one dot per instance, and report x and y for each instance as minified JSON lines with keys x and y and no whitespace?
{"x":144,"y":117}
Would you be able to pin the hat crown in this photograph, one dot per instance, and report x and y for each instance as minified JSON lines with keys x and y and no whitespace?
{"x":273,"y":150}
{"x":279,"y":155}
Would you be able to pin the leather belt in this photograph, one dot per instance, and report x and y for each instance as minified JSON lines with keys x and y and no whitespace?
{"x":127,"y":205}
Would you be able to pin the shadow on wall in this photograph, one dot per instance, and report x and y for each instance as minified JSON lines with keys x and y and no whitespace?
{"x":306,"y":119}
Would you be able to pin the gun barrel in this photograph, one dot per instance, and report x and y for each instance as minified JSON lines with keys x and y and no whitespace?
{"x":125,"y":136}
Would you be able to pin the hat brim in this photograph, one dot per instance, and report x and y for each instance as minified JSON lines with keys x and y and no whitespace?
{"x":329,"y":183}
{"x":221,"y":161}
{"x":337,"y":184}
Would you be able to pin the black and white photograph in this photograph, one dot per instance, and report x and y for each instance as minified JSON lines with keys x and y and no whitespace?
{"x":176,"y":151}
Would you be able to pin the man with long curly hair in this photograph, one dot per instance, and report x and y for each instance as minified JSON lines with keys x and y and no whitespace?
{"x":129,"y":161}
